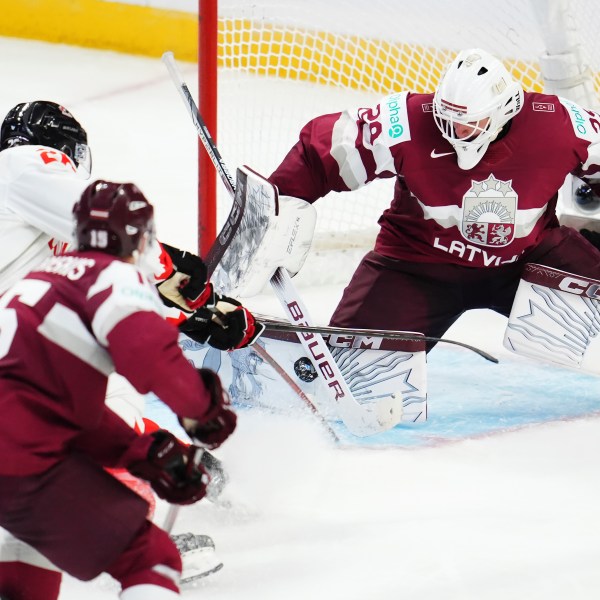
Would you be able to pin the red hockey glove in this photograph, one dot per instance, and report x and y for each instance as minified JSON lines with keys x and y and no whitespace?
{"x":173,"y":469}
{"x":219,"y":421}
{"x":187,"y":287}
{"x":227,"y":326}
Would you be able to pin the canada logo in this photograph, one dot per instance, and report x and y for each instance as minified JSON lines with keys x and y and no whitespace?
{"x":489,"y":212}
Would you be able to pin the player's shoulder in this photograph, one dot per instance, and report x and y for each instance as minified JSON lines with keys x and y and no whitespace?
{"x":420,"y":104}
{"x":394,"y":115}
{"x":552,"y":108}
{"x":39,"y":158}
{"x":124,"y":281}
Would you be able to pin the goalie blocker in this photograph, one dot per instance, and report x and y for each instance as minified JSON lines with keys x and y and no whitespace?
{"x":556,"y":317}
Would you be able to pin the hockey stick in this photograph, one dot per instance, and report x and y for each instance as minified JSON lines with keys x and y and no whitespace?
{"x":274,"y":325}
{"x":171,"y":517}
{"x":360,"y":419}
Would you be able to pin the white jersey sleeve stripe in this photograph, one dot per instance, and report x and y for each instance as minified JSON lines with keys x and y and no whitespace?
{"x":63,"y":327}
{"x":345,"y":153}
{"x":130,"y":293}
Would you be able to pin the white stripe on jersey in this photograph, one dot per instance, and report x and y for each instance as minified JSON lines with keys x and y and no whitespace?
{"x":344,"y":152}
{"x":452,"y":215}
{"x":130,"y":293}
{"x":64,"y":327}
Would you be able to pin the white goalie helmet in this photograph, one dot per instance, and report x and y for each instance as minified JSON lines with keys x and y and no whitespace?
{"x":478,"y":92}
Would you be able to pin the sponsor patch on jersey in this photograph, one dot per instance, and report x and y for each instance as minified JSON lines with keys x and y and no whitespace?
{"x":489,"y":212}
{"x":395,"y":118}
{"x":543,"y":106}
{"x":586,"y":123}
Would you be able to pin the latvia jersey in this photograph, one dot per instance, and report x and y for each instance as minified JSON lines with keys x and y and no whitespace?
{"x":63,"y":329}
{"x":483,"y":217}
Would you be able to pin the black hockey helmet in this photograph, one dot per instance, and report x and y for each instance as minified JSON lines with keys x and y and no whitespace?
{"x":112,"y":218}
{"x":47,"y":124}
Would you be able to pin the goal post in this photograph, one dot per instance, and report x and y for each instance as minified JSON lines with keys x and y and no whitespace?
{"x":278,"y":64}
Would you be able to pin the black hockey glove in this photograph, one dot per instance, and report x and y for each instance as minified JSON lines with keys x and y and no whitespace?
{"x":219,"y":421}
{"x":173,"y":469}
{"x":226,"y":326}
{"x":187,"y":287}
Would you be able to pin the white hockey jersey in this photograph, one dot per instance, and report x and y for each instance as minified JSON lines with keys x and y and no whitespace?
{"x":38,"y":188}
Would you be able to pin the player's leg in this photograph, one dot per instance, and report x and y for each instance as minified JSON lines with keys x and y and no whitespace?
{"x":565,"y":249}
{"x":197,"y":551}
{"x":150,"y":567}
{"x":398,"y":295}
{"x":76,"y":515}
{"x":24,"y":573}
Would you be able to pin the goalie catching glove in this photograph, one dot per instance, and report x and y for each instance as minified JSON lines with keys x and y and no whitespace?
{"x":226,"y":326}
{"x":219,"y":422}
{"x":173,"y":469}
{"x":187,"y":287}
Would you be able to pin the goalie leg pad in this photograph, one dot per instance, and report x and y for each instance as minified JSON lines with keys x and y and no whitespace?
{"x":555,"y":317}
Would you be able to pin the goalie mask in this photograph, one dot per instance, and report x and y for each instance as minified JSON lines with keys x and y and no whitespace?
{"x":476,"y":97}
{"x":114,"y":218}
{"x":47,"y":124}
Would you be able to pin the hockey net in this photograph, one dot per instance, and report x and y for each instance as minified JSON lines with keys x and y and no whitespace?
{"x":282,"y":62}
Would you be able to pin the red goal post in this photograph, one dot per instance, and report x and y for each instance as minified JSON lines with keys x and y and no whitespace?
{"x":265,"y":68}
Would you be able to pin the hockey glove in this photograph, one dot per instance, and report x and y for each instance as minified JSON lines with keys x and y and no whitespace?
{"x":219,"y":421}
{"x":227,"y":326}
{"x":188,"y":286}
{"x":173,"y":469}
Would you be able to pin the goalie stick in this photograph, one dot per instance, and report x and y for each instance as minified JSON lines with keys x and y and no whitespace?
{"x":361,"y":420}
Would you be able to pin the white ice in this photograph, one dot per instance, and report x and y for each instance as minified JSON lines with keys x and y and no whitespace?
{"x":509,"y":511}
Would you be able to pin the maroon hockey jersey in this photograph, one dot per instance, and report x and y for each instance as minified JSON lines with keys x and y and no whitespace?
{"x":63,"y":329}
{"x":483,"y":217}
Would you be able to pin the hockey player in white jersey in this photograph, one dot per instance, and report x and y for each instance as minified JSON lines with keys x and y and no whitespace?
{"x":45,"y":163}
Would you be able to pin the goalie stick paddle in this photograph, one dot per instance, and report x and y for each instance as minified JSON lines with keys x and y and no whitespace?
{"x":361,"y":420}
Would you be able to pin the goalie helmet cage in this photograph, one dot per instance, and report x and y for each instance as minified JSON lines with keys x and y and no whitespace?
{"x":266,"y":68}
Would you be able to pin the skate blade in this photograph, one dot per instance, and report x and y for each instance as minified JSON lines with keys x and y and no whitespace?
{"x":192,"y":579}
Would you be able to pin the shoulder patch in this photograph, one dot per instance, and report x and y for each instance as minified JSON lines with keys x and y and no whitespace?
{"x":542,"y":106}
{"x":586,"y":123}
{"x":388,"y":121}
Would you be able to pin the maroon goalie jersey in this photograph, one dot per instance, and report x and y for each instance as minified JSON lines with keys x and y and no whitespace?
{"x":484,"y":217}
{"x":63,"y":329}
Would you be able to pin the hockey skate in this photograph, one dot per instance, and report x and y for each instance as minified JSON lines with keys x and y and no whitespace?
{"x":198,"y":556}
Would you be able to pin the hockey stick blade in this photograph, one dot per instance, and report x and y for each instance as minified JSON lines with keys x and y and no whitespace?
{"x":274,"y":325}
